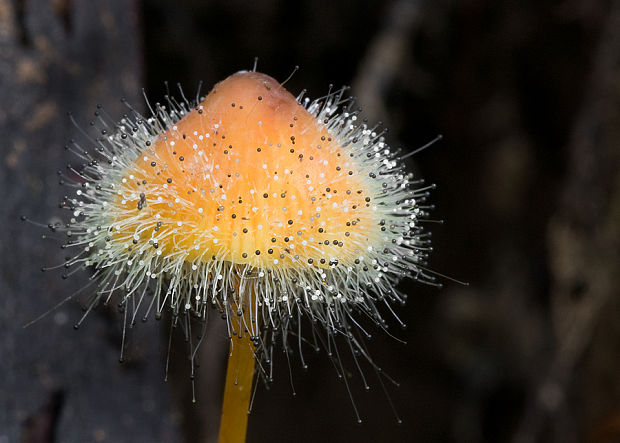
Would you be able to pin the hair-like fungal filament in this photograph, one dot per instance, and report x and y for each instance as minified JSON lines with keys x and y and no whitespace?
{"x":269,"y":208}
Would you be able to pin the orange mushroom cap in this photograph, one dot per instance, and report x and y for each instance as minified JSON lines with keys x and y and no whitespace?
{"x":251,"y":177}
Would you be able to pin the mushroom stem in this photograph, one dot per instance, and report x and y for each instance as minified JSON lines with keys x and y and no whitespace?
{"x":237,"y":391}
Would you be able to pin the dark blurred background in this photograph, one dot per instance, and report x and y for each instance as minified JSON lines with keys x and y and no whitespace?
{"x":527,"y":97}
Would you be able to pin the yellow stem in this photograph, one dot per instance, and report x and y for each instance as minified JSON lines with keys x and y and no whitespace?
{"x":237,"y":391}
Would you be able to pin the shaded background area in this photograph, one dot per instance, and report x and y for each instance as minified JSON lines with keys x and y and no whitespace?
{"x":527,"y":97}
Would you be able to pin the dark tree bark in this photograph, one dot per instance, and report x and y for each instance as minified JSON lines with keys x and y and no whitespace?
{"x":57,"y":385}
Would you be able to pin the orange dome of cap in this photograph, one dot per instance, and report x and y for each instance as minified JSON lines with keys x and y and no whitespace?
{"x":251,"y":177}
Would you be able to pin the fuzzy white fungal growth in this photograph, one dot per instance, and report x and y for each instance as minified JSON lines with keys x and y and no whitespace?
{"x":267,"y":207}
